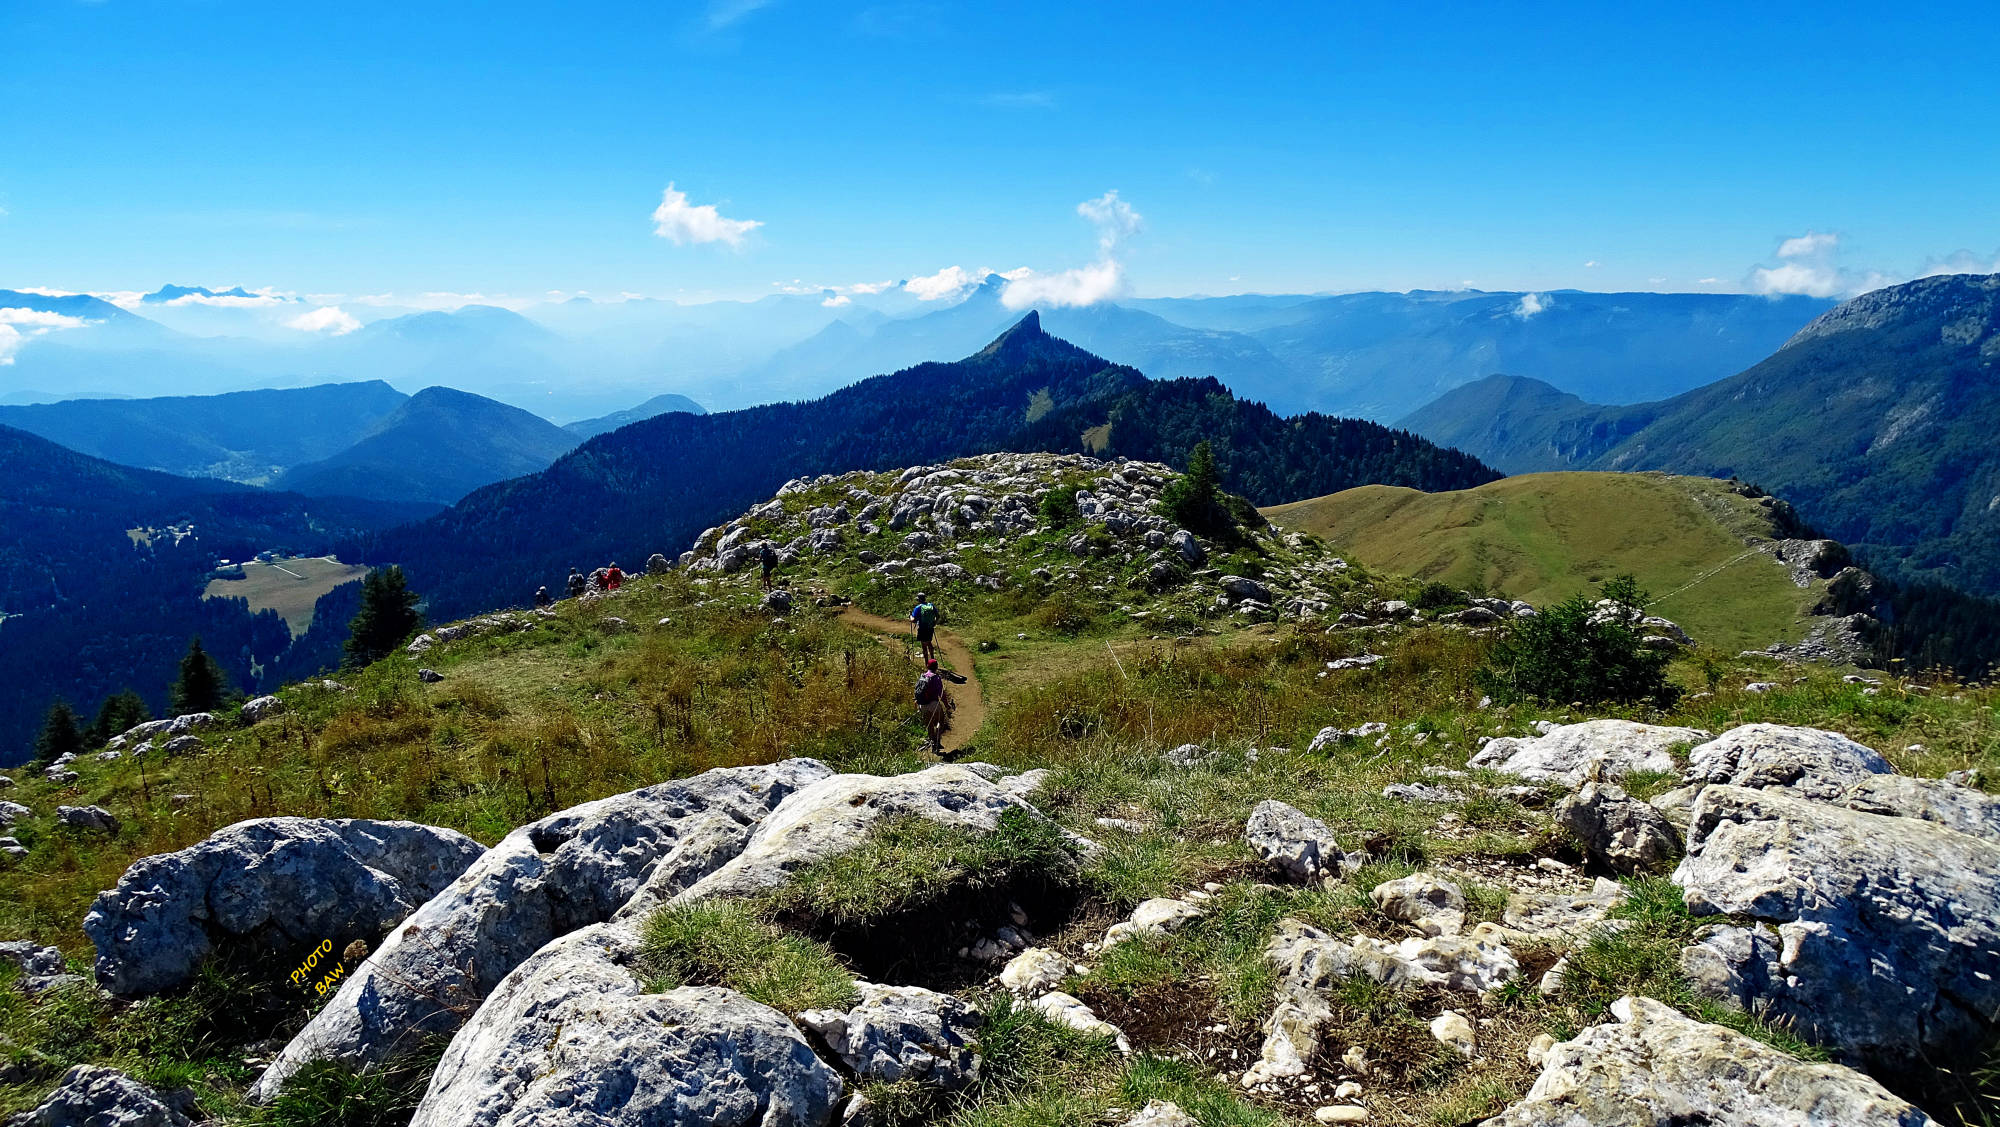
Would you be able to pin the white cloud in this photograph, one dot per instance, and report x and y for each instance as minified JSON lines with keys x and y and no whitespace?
{"x":948,"y":282}
{"x":1808,"y":245}
{"x":1708,"y":281}
{"x":331,"y":319}
{"x":36,"y":322}
{"x":1591,"y":265}
{"x":1807,"y":267}
{"x":1531,"y":304}
{"x":868,"y":287}
{"x":1085,"y":285}
{"x":685,"y":223}
{"x":835,"y":301}
{"x":1116,"y":221}
{"x":258,"y":300}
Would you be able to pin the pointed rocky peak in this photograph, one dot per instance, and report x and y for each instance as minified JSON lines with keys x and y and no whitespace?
{"x":1023,"y":336}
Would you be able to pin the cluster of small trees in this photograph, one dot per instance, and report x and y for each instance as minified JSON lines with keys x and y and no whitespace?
{"x":387,"y":617}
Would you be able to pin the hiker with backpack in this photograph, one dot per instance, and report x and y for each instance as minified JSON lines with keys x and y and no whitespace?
{"x":933,"y":704}
{"x":924,"y":618}
{"x":768,"y":556}
{"x":542,"y":599}
{"x":576,"y":584}
{"x":613,"y":577}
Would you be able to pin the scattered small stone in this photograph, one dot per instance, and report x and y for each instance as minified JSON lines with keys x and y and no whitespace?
{"x":1454,"y":1029}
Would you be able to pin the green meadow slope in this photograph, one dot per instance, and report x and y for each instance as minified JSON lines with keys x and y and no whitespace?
{"x":1690,"y":541}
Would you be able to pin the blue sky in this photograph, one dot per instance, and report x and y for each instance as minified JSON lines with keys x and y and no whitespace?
{"x":501,"y":148}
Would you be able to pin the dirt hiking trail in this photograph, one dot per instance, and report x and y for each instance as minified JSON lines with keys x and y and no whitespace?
{"x":953,"y":654}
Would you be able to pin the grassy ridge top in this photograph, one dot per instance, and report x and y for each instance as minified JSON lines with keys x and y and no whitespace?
{"x":1544,"y":537}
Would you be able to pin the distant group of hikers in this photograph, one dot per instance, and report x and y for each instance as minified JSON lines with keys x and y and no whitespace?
{"x":604,"y":578}
{"x":934,"y":704}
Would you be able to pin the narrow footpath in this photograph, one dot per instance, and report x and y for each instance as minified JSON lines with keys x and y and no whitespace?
{"x":953,"y":654}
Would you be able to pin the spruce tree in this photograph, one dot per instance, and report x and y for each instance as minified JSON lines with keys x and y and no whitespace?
{"x":118,"y":713}
{"x":388,"y":615}
{"x":202,"y":686}
{"x":59,"y":735}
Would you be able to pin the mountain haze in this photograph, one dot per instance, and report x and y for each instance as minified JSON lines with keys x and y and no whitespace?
{"x":657,"y":405}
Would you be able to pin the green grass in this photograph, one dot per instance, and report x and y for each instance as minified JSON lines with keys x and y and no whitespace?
{"x":1545,"y":537}
{"x":726,"y":944}
{"x":908,"y":863}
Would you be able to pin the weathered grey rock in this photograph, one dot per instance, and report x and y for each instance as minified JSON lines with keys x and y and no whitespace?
{"x":832,"y":815}
{"x":1188,"y":755}
{"x":1560,"y":915}
{"x":1188,"y":548}
{"x":1239,"y":587}
{"x":778,"y":601}
{"x":12,"y":812}
{"x":1422,"y":792}
{"x":1807,"y":761}
{"x":1070,"y":1011}
{"x":1161,"y":1113}
{"x":903,"y":1033}
{"x":1311,"y":959}
{"x":1152,"y":919}
{"x":429,"y":676}
{"x":1734,"y":964}
{"x":262,"y":708}
{"x":1298,"y":845}
{"x":41,"y":967}
{"x":1889,"y":927}
{"x":1962,"y":808}
{"x":545,"y":879}
{"x":267,"y":886}
{"x":1655,"y":1068}
{"x":570,"y":1037}
{"x":1432,"y":906}
{"x":658,"y":564}
{"x":182,"y":745}
{"x":1566,"y":754}
{"x":93,"y":818}
{"x":1618,"y":831}
{"x":1035,"y":972}
{"x":1455,"y":1030}
{"x":93,"y":1096}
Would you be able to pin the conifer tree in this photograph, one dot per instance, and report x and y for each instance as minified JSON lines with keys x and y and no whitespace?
{"x":59,"y":735}
{"x":119,"y":712}
{"x":202,"y":686}
{"x":388,"y":615}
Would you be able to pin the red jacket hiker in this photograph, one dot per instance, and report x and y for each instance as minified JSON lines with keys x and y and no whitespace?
{"x":613,"y":577}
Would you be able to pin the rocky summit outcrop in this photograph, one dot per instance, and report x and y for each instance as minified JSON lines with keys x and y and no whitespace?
{"x":532,"y":952}
{"x":1570,"y":753}
{"x":1888,"y":927}
{"x":1652,"y":1067}
{"x":1807,"y":761}
{"x":269,"y":887}
{"x":572,"y":1036}
{"x":93,"y":1096}
{"x":544,"y":880}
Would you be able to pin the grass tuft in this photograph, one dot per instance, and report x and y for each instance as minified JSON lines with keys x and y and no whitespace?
{"x":725,"y":944}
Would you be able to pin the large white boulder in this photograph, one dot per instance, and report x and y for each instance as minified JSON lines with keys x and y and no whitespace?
{"x":269,"y":886}
{"x":571,"y":1037}
{"x":546,"y":879}
{"x":1298,"y":845}
{"x":1569,"y":753}
{"x":1655,"y":1068}
{"x":1888,"y":927}
{"x":1808,"y":761}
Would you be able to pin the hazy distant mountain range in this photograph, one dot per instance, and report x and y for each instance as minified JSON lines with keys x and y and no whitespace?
{"x":1877,"y":420}
{"x":1369,"y":355}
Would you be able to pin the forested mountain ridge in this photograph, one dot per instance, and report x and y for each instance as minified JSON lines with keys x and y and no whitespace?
{"x":245,"y":436}
{"x":652,"y":486}
{"x":436,"y":447}
{"x":1876,"y":420}
{"x":120,"y":610}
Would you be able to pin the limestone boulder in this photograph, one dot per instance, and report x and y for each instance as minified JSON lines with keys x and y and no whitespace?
{"x":546,"y":879}
{"x":571,"y":1037}
{"x":1806,"y":761}
{"x":832,"y":815}
{"x":1888,"y":928}
{"x":1618,"y":831}
{"x":1432,"y":906}
{"x":896,"y":1033}
{"x":1652,"y":1067}
{"x":1298,"y":845}
{"x":269,"y":887}
{"x":1568,"y":753}
{"x":93,"y":1096}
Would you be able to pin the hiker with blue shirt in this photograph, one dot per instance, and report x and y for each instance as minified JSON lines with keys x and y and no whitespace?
{"x":924,"y":617}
